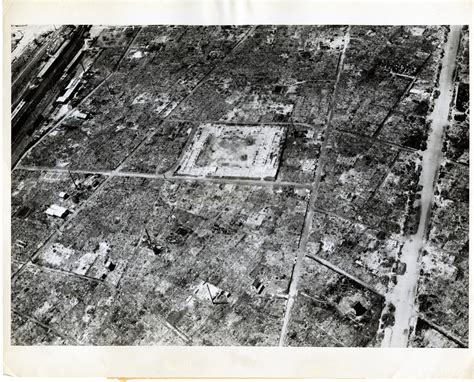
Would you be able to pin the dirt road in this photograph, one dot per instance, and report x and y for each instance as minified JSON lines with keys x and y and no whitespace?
{"x":293,"y":289}
{"x":403,"y":295}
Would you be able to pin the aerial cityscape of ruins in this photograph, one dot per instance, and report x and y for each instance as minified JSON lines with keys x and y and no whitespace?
{"x":240,"y":185}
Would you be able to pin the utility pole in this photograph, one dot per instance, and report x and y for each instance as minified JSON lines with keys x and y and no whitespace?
{"x":152,"y":245}
{"x":107,"y":85}
{"x":73,"y":180}
{"x":110,"y":91}
{"x":148,"y":236}
{"x":82,"y":65}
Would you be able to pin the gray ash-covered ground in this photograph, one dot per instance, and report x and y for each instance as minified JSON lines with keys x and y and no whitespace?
{"x":240,"y":185}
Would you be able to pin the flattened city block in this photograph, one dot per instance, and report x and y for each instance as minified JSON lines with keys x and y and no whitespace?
{"x":253,"y":185}
{"x":234,"y":151}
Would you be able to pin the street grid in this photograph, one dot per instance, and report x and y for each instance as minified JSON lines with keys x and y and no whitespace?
{"x":170,"y":176}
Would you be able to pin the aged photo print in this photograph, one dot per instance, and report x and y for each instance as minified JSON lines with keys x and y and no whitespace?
{"x":240,"y":185}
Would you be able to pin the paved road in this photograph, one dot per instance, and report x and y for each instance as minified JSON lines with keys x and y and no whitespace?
{"x":172,"y":178}
{"x":293,"y":292}
{"x":403,"y":295}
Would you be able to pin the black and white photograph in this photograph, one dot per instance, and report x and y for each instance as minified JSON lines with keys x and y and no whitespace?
{"x":240,"y":185}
